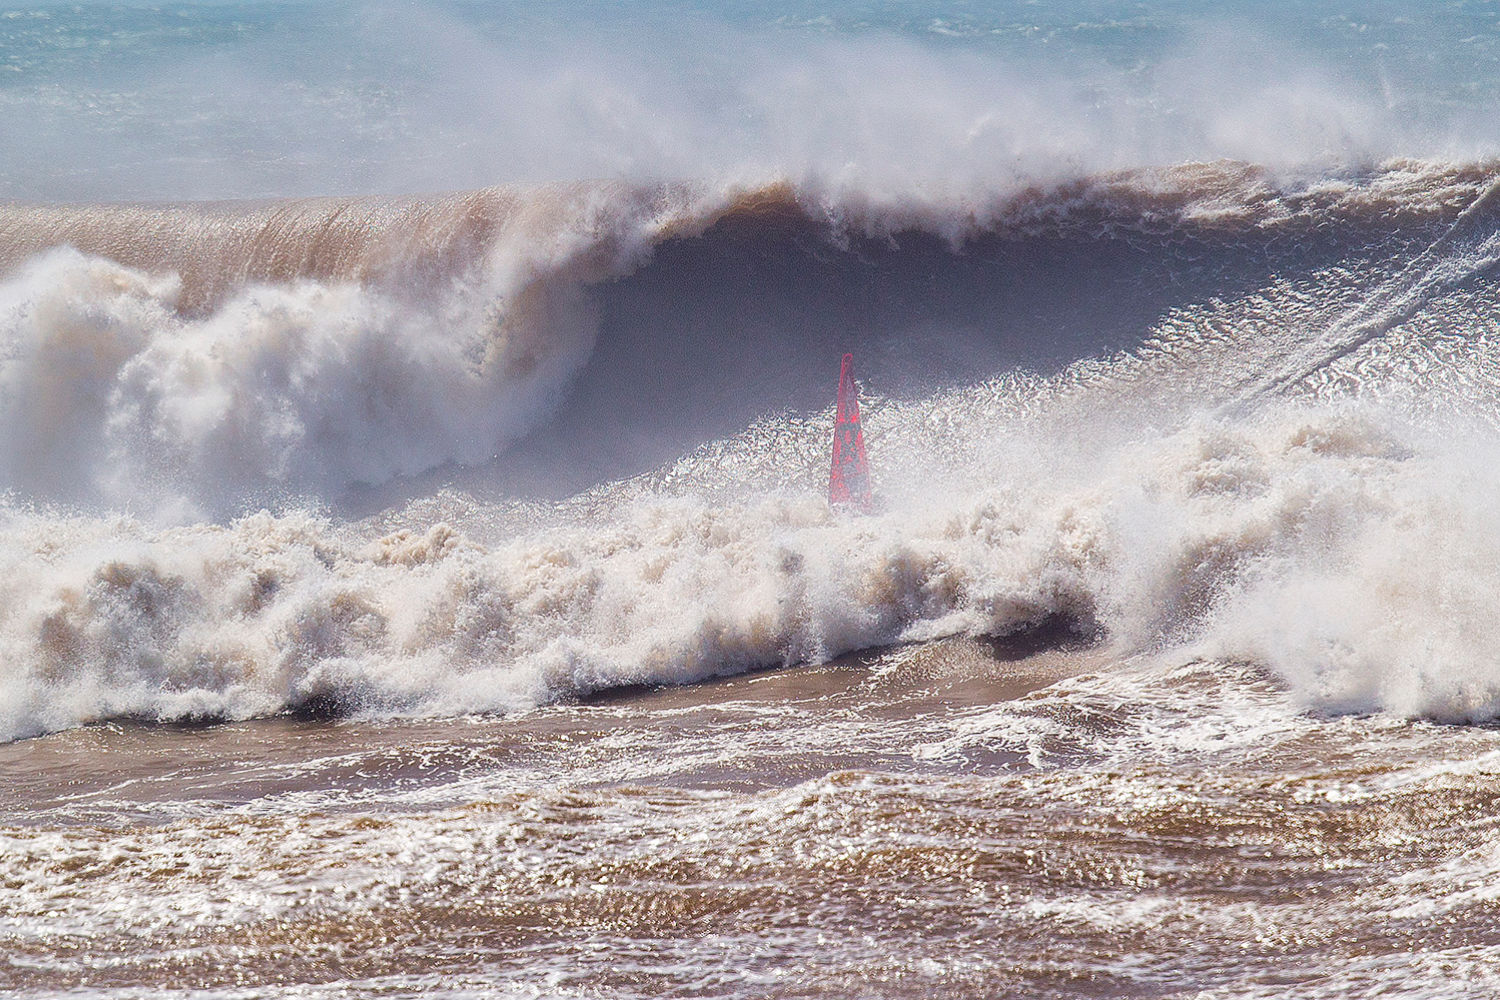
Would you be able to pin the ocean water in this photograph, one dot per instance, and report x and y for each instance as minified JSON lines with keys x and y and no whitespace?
{"x":416,"y":570}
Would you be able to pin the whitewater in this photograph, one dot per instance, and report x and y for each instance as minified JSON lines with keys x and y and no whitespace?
{"x":417,"y":575}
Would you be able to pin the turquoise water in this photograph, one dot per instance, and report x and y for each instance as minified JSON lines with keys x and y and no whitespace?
{"x":125,"y":101}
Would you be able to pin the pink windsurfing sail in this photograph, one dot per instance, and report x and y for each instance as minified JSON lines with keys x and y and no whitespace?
{"x":849,"y":482}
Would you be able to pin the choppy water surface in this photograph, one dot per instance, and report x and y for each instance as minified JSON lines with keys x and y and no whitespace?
{"x":949,"y":820}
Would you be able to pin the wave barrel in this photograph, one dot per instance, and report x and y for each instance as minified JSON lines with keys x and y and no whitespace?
{"x":849,"y":480}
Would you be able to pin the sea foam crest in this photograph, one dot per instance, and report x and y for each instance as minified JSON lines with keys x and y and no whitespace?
{"x":168,"y":375}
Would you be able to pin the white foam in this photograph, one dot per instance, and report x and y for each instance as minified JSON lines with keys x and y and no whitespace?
{"x":1319,"y":542}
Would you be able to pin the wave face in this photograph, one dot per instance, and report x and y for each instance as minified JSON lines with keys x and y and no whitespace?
{"x":520,"y":445}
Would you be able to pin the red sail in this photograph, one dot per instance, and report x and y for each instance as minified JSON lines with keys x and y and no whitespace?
{"x":849,"y":482}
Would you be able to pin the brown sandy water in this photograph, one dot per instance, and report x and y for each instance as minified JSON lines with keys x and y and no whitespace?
{"x":953,"y":819}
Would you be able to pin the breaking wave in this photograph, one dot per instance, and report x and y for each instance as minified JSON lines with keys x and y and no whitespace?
{"x":1205,"y":410}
